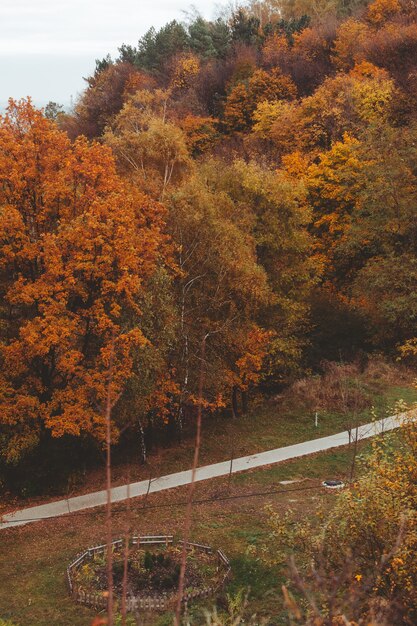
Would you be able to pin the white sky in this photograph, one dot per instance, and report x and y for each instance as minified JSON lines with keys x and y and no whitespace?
{"x":47,"y":46}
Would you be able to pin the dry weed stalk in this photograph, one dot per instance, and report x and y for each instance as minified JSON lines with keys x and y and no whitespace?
{"x":123,"y":608}
{"x":108,"y":489}
{"x":187,"y":521}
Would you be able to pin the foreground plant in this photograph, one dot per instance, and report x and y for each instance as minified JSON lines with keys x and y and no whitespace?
{"x":360,"y":567}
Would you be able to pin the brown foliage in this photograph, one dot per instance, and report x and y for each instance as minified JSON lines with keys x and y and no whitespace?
{"x":394,"y":47}
{"x":103,"y":98}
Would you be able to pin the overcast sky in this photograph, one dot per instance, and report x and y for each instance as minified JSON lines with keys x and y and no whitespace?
{"x":47,"y":46}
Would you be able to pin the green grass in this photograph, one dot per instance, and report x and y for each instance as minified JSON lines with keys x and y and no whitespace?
{"x":268,"y":426}
{"x":330,"y":464}
{"x":393,"y":394}
{"x":33,"y":559}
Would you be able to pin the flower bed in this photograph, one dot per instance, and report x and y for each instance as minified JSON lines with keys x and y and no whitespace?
{"x":152,"y":573}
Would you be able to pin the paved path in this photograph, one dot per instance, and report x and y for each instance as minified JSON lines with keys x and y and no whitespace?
{"x":98,"y":498}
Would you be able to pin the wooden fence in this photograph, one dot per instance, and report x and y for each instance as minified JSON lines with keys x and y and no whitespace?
{"x":157,"y":602}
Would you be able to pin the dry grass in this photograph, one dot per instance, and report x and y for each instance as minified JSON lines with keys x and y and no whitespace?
{"x":381,"y":372}
{"x":347,"y":387}
{"x":33,"y":558}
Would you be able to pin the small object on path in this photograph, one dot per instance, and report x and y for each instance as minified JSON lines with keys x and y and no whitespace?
{"x":333,"y":484}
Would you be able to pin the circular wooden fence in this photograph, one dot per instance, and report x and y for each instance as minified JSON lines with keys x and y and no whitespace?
{"x":158,"y":601}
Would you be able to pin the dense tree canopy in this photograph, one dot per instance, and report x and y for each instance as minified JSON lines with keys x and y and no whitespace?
{"x":229,"y":205}
{"x":246,"y":179}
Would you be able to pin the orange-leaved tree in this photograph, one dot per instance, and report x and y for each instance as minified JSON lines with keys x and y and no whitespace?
{"x":77,"y":249}
{"x":262,"y":86}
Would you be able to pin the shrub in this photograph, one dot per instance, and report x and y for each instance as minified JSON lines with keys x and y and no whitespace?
{"x":362,"y":564}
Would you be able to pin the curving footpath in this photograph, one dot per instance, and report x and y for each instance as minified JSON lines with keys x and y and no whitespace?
{"x":179,"y":479}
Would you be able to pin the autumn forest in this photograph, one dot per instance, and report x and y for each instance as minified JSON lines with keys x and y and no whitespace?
{"x":240,"y":192}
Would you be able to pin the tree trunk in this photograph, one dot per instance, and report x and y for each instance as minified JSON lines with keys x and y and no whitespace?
{"x":235,"y":403}
{"x":180,"y":423}
{"x":142,"y":445}
{"x":188,"y":512}
{"x":244,"y":402}
{"x":150,"y":439}
{"x":108,"y":491}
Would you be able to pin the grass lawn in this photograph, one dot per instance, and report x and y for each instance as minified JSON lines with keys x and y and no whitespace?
{"x":33,"y":558}
{"x":267,"y":425}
